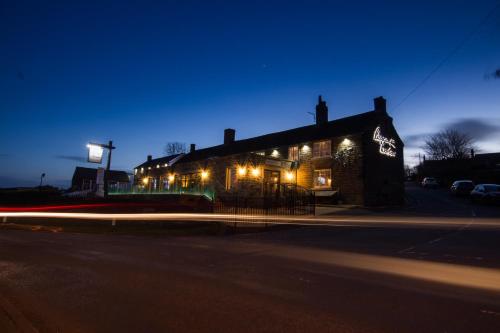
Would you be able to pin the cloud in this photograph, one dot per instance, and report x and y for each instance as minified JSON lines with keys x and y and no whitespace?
{"x":71,"y":158}
{"x":478,"y":129}
{"x":415,"y":140}
{"x":496,"y":74}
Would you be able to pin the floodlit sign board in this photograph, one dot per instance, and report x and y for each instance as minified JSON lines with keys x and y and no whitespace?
{"x":95,"y":153}
{"x":387,"y":146}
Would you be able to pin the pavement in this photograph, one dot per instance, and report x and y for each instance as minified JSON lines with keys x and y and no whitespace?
{"x":397,"y":278}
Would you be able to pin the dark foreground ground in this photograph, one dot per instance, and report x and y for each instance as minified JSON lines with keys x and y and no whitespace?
{"x":295,"y":279}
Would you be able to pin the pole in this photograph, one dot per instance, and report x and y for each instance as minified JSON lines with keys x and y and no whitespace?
{"x":108,"y":166}
{"x":41,"y":179}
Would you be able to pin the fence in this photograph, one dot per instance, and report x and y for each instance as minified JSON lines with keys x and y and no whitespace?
{"x":288,"y":200}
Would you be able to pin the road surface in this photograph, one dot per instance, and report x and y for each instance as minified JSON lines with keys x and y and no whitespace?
{"x":297,"y":279}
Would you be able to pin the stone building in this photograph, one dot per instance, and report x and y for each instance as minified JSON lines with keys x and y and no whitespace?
{"x":357,"y":159}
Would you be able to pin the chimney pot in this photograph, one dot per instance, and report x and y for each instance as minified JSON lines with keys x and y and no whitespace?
{"x":380,"y":104}
{"x":229,"y":135}
{"x":321,"y":112}
{"x":150,"y":157}
{"x":192,"y":148}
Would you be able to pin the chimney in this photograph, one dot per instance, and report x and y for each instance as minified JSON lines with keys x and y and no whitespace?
{"x":150,"y":157}
{"x":229,"y":135}
{"x":321,"y":112}
{"x":472,"y":153}
{"x":192,"y":148}
{"x":380,"y":104}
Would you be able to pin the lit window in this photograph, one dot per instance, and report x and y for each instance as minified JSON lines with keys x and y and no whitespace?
{"x":184,"y":181}
{"x":322,"y":178}
{"x":293,"y":153}
{"x":322,"y":148}
{"x":261,"y":153}
{"x":228,"y":178}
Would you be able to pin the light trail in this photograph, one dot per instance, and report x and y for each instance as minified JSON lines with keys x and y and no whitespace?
{"x":445,"y":273}
{"x":373,"y":221}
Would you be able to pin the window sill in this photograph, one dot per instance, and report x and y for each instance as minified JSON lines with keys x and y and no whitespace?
{"x":321,"y":157}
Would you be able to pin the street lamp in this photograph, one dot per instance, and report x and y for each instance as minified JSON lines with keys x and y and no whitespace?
{"x":42,"y":176}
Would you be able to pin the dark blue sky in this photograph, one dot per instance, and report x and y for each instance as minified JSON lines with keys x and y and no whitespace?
{"x":146,"y":73}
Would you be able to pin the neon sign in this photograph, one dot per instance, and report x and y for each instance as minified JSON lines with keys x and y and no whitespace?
{"x":387,"y":146}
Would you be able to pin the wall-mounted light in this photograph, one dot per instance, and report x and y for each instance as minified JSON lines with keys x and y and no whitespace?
{"x":149,"y":168}
{"x":142,"y":170}
{"x":289,"y":175}
{"x":305,"y":148}
{"x":135,"y":171}
{"x":204,"y":174}
{"x":171,"y":178}
{"x":157,"y":166}
{"x":255,"y":172}
{"x":166,"y":165}
{"x":242,"y":171}
{"x":275,"y":153}
{"x":346,"y":142}
{"x":145,"y":181}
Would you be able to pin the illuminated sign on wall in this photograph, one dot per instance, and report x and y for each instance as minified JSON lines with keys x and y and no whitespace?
{"x":386,"y":146}
{"x":95,"y":153}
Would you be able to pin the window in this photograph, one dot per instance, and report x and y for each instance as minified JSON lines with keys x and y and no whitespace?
{"x":293,"y":153}
{"x":322,"y":178}
{"x":322,"y":148}
{"x":228,"y":178}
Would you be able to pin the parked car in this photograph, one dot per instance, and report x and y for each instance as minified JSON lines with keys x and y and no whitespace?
{"x":486,"y":193}
{"x":462,"y":187}
{"x":429,"y":182}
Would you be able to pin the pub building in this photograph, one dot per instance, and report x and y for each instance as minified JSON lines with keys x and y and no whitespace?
{"x":354,"y":160}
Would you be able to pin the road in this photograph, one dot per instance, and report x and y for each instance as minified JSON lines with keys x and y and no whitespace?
{"x":297,"y":279}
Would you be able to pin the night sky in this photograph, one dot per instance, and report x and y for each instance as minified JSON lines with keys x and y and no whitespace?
{"x":145,"y":73}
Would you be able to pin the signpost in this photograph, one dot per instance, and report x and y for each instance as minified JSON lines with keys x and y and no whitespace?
{"x":95,"y":156}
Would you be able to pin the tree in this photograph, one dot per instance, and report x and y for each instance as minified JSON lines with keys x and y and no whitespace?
{"x":172,"y":148}
{"x":448,"y":144}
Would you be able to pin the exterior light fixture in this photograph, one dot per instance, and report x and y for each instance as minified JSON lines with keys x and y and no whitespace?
{"x":171,"y":178}
{"x":135,"y":171}
{"x":142,"y":170}
{"x":255,"y":172}
{"x":346,"y":142}
{"x":145,"y":181}
{"x":149,"y":168}
{"x":157,"y":166}
{"x":242,"y":171}
{"x":275,"y":153}
{"x":204,"y":174}
{"x":289,"y":175}
{"x":305,"y":148}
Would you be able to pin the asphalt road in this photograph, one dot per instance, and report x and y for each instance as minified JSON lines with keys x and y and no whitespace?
{"x":300,"y":279}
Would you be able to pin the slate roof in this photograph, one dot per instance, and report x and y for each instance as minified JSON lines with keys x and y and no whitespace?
{"x":339,"y":127}
{"x":91,"y":173}
{"x":155,"y":161}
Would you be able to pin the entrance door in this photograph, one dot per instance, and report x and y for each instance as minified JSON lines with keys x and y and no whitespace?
{"x":271,"y":182}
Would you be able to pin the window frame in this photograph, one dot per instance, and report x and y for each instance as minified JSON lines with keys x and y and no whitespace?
{"x":293,"y":153}
{"x":328,"y":178}
{"x":320,"y":151}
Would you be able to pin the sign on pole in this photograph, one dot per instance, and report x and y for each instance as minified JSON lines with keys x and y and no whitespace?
{"x":95,"y":153}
